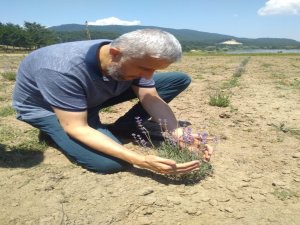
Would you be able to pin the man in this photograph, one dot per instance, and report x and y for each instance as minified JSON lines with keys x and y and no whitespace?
{"x":61,"y":88}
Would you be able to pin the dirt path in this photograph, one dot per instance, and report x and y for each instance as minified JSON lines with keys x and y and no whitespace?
{"x":256,"y":176}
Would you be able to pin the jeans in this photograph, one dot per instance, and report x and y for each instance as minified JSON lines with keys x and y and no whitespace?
{"x":168,"y":86}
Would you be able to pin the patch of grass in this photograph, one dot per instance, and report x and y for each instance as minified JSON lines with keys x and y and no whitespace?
{"x":266,"y":65}
{"x":295,"y":83}
{"x":7,"y":111}
{"x":219,"y":99}
{"x":233,"y":82}
{"x":233,"y":109}
{"x":20,"y":148}
{"x":283,"y":128}
{"x":11,"y":76}
{"x":198,"y":77}
{"x":279,"y":75}
{"x":284,"y":194}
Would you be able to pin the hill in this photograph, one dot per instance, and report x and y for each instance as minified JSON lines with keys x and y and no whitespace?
{"x":190,"y":39}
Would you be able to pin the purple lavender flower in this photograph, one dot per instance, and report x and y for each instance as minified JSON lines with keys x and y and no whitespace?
{"x":203,"y":137}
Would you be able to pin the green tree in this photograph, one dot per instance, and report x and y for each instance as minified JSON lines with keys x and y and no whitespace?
{"x":38,"y":35}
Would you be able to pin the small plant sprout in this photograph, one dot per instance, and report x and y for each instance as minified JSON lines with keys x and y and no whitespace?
{"x":219,"y":99}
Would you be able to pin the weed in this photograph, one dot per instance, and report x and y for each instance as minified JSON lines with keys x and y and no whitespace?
{"x":266,"y":65}
{"x":284,"y":194}
{"x":11,"y":76}
{"x":7,"y":111}
{"x":283,"y":128}
{"x":295,"y":83}
{"x":233,"y":82}
{"x":198,"y":77}
{"x":219,"y":99}
{"x":233,"y":109}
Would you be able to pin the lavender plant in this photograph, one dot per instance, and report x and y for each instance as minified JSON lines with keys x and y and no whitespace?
{"x":170,"y":148}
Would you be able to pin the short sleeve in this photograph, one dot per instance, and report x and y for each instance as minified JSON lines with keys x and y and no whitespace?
{"x":144,"y":83}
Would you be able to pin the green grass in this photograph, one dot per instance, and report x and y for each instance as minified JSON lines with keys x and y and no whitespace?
{"x":284,"y":194}
{"x":266,"y":65}
{"x":219,"y":99}
{"x":10,"y":76}
{"x":19,"y":148}
{"x":290,"y":130}
{"x":7,"y":111}
{"x":233,"y":82}
{"x":198,"y":77}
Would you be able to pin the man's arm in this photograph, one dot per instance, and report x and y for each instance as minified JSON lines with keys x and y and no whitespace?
{"x":157,"y":108}
{"x":75,"y":125}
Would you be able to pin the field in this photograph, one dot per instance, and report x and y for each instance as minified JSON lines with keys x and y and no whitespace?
{"x":256,"y":178}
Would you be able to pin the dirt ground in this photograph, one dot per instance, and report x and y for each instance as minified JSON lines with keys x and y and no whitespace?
{"x":256,"y":179}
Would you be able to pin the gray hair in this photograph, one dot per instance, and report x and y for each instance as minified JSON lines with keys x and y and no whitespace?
{"x":152,"y":42}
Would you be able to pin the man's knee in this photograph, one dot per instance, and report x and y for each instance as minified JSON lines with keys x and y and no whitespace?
{"x":183,"y":79}
{"x":107,"y":166}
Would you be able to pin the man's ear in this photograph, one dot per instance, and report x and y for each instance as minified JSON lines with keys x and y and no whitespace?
{"x":115,"y":53}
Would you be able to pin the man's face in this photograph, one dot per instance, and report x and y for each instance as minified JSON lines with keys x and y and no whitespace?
{"x":130,"y":69}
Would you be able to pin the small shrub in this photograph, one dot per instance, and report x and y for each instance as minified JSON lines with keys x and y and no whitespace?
{"x":169,"y":151}
{"x":11,"y":76}
{"x":219,"y":99}
{"x":169,"y":148}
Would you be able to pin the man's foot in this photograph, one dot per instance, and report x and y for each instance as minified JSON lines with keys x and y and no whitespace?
{"x":45,"y":138}
{"x":125,"y":130}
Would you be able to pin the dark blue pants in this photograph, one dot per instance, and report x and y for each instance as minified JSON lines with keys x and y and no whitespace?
{"x":168,"y":85}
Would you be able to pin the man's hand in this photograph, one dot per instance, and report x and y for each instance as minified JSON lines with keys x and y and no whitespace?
{"x":167,"y":166}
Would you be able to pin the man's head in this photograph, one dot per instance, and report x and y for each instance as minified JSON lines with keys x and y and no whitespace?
{"x":139,"y":53}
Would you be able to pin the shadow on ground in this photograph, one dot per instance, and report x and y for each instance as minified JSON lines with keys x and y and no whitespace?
{"x":167,"y":180}
{"x":19,"y":157}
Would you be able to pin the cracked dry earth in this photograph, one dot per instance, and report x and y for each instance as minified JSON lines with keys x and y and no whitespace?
{"x":256,"y":177}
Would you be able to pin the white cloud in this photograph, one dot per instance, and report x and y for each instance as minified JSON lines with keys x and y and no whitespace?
{"x":280,"y":7}
{"x":114,"y":21}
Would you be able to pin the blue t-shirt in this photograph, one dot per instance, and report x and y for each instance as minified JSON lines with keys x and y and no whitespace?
{"x":66,"y":76}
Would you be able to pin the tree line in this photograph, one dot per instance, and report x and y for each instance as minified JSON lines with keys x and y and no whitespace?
{"x":30,"y":36}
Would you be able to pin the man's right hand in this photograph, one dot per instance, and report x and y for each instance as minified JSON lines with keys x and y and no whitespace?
{"x":168,"y":166}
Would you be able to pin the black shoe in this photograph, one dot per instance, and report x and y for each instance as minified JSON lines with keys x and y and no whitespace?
{"x":126,"y":130}
{"x":46,"y":139}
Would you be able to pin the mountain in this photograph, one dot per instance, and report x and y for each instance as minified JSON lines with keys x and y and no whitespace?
{"x":189,"y":38}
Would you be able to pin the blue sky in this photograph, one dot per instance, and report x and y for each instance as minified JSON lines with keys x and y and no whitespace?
{"x":240,"y":18}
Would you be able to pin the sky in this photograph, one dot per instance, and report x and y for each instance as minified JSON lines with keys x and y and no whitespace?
{"x":239,"y":18}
